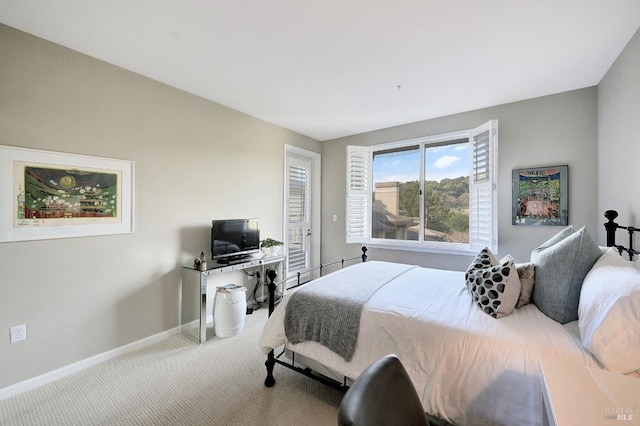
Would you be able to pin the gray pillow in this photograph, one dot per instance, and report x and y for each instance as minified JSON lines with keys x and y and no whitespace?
{"x":561,"y":264}
{"x":557,"y":238}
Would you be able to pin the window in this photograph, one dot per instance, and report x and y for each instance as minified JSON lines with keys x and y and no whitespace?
{"x":436,"y":192}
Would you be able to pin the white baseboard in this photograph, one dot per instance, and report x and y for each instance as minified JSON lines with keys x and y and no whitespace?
{"x":59,"y":373}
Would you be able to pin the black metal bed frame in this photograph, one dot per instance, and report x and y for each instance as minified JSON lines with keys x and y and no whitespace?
{"x":273,"y":359}
{"x":612,"y":227}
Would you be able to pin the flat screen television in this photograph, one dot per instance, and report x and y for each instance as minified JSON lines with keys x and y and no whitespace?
{"x":233,"y":239}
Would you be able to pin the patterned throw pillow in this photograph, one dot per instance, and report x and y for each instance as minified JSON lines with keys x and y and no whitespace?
{"x":494,"y":286}
{"x":484,"y":259}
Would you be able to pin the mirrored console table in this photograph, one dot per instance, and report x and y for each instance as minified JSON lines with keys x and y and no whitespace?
{"x":193,"y":304}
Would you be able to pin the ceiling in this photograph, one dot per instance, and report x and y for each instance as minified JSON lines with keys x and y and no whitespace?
{"x":334,"y":68}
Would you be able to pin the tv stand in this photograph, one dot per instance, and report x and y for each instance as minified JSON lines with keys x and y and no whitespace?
{"x":193,"y":308}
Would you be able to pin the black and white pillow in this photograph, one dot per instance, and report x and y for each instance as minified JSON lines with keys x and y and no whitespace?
{"x":496,"y":287}
{"x":484,"y":259}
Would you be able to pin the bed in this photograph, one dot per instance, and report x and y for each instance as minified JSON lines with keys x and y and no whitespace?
{"x":469,"y":364}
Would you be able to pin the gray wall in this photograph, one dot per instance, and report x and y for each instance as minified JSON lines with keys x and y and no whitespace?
{"x":195,"y":161}
{"x":552,"y":130}
{"x":619,"y":138}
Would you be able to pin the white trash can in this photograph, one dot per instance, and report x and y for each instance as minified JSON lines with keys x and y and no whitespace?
{"x":229,"y":310}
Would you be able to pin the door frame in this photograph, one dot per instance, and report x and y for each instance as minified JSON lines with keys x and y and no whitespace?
{"x":316,"y":191}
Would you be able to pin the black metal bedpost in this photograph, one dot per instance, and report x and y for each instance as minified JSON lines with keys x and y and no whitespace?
{"x":271,"y":286}
{"x":631,"y":250}
{"x":271,"y":362}
{"x":364,"y":253}
{"x":611,"y":227}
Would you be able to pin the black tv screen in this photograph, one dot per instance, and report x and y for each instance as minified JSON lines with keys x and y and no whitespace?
{"x":234,"y":238}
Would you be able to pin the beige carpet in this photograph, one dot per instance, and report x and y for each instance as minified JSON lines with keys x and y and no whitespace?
{"x":178,"y":382}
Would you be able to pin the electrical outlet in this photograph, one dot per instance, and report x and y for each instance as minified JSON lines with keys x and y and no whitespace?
{"x":18,"y":333}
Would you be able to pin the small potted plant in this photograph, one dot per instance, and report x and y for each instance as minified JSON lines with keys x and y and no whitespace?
{"x":271,"y":247}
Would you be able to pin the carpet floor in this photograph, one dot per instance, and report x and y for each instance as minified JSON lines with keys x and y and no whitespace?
{"x":178,"y":382}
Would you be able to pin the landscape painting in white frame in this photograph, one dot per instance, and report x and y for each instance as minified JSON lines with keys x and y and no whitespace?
{"x":48,"y":194}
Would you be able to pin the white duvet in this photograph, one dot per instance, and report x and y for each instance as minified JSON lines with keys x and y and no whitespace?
{"x":469,"y":368}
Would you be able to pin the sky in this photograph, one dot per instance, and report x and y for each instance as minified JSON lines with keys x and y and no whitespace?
{"x":441,"y":162}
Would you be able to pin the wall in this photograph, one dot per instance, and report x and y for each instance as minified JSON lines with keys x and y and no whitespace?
{"x":552,"y":130}
{"x":195,"y":160}
{"x":618,"y":139}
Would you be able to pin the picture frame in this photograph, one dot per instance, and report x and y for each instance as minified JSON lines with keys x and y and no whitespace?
{"x":540,"y":196}
{"x":48,"y":195}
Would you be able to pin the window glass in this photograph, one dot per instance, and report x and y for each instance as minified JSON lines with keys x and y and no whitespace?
{"x":446,"y":189}
{"x":396,"y":195}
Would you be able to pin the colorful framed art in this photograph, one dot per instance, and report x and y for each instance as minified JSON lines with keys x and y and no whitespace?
{"x":49,"y":194}
{"x":540,"y":196}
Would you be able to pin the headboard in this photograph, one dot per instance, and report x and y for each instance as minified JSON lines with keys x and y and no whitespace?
{"x":611,"y":228}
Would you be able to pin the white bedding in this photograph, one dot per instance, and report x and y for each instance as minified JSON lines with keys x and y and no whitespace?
{"x":468,"y":367}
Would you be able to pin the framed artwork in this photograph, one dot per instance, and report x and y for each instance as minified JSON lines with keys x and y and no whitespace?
{"x":49,"y":194}
{"x":540,"y":196}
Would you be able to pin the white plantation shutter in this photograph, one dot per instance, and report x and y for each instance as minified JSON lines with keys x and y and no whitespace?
{"x":358,"y":220}
{"x":483,"y":217}
{"x":299,"y":217}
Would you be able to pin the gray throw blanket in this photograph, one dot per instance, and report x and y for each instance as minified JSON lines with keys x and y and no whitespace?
{"x":328,"y":309}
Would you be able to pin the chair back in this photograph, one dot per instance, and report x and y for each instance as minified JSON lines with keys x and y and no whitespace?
{"x":383,"y":394}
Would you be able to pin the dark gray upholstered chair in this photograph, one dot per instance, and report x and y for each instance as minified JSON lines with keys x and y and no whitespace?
{"x":382,"y":395}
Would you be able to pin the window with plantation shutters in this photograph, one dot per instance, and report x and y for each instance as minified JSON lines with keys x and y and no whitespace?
{"x":434,"y":192}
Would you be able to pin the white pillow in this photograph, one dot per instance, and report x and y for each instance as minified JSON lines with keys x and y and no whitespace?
{"x":609,"y":313}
